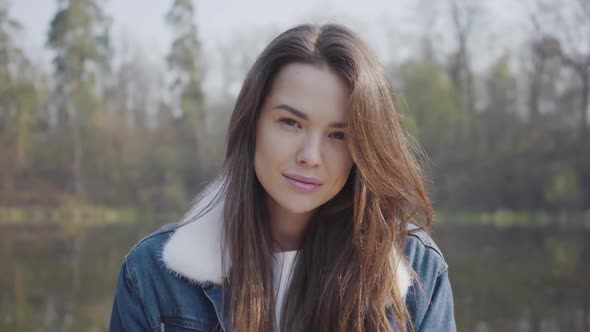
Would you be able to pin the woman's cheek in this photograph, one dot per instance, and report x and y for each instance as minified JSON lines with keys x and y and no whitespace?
{"x":275,"y":144}
{"x":284,"y":139}
{"x":342,"y":161}
{"x":339,"y":152}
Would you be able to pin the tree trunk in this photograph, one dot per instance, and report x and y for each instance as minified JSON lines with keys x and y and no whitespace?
{"x":77,"y":169}
{"x":535,"y":88}
{"x":583,"y":131}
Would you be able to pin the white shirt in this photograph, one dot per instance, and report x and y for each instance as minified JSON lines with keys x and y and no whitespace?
{"x":282,"y":270}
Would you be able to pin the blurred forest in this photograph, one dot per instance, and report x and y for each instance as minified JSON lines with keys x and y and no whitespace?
{"x":105,"y":128}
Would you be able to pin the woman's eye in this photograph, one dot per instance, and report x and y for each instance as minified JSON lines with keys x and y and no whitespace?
{"x":289,"y":122}
{"x":337,"y":135}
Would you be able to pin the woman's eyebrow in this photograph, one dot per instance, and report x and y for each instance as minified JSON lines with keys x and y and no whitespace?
{"x":304,"y":116}
{"x":292,"y":110}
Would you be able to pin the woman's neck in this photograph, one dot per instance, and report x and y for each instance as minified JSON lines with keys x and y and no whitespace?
{"x":287,"y":227}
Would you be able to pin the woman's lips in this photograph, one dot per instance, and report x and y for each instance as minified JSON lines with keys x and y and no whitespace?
{"x":302,"y":185}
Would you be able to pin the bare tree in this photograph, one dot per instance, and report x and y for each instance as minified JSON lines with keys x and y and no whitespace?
{"x":569,"y":22}
{"x":543,"y":48}
{"x":463,"y":17}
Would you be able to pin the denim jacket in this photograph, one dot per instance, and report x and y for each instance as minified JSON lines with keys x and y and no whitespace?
{"x":172,"y":281}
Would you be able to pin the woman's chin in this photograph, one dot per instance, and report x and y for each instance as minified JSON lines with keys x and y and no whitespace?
{"x":297,"y":206}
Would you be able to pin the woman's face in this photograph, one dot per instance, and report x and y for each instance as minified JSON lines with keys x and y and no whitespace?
{"x":301,"y":158}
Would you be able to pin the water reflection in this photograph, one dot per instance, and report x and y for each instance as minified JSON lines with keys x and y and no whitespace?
{"x":60,"y":278}
{"x":519,"y":279}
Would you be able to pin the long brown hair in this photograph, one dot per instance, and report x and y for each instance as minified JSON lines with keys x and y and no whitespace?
{"x":345,"y":277}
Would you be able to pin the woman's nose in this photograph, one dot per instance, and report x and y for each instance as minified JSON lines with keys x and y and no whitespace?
{"x":310,"y":153}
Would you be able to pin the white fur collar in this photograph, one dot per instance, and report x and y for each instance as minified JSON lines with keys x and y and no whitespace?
{"x":194,"y":250}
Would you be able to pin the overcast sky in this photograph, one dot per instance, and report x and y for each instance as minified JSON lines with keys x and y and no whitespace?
{"x":390,"y":26}
{"x":217,"y":20}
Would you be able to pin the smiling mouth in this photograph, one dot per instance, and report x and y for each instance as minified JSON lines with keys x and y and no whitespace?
{"x":302,"y":185}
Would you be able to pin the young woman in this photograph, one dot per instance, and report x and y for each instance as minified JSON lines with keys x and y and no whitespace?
{"x":316,"y":222}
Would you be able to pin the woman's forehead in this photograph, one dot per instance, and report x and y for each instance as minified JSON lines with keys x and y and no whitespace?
{"x":310,"y":89}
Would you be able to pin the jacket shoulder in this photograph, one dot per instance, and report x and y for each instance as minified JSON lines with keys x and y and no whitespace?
{"x":430,"y":298}
{"x":423,"y":254}
{"x":148,"y":251}
{"x":166,"y":298}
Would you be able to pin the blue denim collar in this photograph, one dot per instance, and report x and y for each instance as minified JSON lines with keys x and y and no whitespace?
{"x":215,"y":294}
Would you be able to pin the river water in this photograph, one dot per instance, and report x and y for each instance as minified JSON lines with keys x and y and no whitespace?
{"x":521,"y":279}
